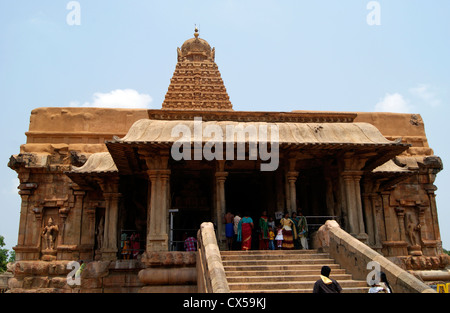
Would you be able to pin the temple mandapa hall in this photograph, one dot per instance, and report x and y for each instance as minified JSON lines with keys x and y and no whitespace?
{"x":119,"y":191}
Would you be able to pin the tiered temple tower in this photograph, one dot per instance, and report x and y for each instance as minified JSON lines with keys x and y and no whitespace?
{"x":196,"y":83}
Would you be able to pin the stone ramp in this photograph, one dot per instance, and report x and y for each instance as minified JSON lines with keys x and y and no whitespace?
{"x":283,"y":271}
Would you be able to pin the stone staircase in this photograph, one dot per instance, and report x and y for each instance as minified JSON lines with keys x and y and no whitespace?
{"x":287,"y":271}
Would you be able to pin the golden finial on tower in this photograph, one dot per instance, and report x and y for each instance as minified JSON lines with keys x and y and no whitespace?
{"x":196,"y":32}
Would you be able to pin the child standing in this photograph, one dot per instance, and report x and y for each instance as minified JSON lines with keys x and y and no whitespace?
{"x":279,"y":237}
{"x":271,"y":239}
{"x":271,"y":223}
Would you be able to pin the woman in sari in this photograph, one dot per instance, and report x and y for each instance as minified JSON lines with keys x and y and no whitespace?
{"x":295,"y":220}
{"x":303,"y":231}
{"x":263,"y":232}
{"x":245,"y":232}
{"x":289,"y":232}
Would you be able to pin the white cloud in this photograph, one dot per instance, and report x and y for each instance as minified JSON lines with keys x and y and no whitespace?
{"x":393,"y":103}
{"x":119,"y":98}
{"x":427,"y":94}
{"x":12,"y":187}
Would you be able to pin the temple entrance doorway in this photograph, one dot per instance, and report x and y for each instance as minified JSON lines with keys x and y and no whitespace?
{"x":132,"y":228}
{"x":312,"y":195}
{"x":251,"y":192}
{"x":191,"y":204}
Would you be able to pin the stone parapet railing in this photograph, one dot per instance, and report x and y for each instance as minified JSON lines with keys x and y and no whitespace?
{"x":211,"y":273}
{"x":354,"y":256}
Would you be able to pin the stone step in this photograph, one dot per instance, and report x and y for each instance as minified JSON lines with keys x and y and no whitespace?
{"x":259,"y":262}
{"x":284,"y":271}
{"x":283,"y":278}
{"x":281,"y":267}
{"x":299,"y":272}
{"x":269,"y":256}
{"x":344,"y":290}
{"x":309,"y":285}
{"x":272,"y":252}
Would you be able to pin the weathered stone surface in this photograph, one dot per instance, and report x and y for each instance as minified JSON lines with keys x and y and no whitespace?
{"x":96,"y":269}
{"x":169,"y":289}
{"x":168,"y":276}
{"x":170,"y":258}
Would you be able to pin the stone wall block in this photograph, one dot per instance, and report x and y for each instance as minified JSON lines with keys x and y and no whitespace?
{"x":168,"y":276}
{"x":96,"y":269}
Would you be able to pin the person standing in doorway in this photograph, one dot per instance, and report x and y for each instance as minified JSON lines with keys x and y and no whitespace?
{"x":190,"y":244}
{"x":289,"y":232}
{"x":229,"y":229}
{"x":263,"y":232}
{"x":245,"y":232}
{"x":294,"y":219}
{"x":303,"y":230}
{"x":279,"y":237}
{"x":236,"y":220}
{"x":271,"y":239}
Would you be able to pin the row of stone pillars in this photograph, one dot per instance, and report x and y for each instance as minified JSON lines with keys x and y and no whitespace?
{"x":159,"y":201}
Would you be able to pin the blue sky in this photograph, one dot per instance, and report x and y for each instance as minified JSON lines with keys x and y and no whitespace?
{"x":273,"y":56}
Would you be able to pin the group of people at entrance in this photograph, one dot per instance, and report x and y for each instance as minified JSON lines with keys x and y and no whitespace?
{"x":290,"y":232}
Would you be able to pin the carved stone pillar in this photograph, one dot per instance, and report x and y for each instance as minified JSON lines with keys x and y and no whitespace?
{"x":110,"y":248}
{"x":351,"y":173}
{"x":221,"y":177}
{"x":351,"y":204}
{"x":392,"y":243}
{"x":110,"y":188}
{"x":362,"y":235}
{"x":401,"y":222}
{"x":370,"y":218}
{"x":157,"y":214}
{"x":78,"y":195}
{"x":376,"y":211}
{"x":88,"y":238}
{"x":28,"y":241}
{"x":291,"y":178}
{"x":430,"y":189}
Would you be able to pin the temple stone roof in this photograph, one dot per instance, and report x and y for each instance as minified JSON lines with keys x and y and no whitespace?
{"x":147,"y":131}
{"x":97,"y":163}
{"x":362,"y":138}
{"x":391,"y":167}
{"x":196,"y":83}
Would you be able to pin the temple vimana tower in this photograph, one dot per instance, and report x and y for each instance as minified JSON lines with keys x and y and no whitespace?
{"x":103,"y":185}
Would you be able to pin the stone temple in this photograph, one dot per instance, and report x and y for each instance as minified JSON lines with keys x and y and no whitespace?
{"x":97,"y":183}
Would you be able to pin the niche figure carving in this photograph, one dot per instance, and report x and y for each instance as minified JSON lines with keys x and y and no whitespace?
{"x":412,"y":230}
{"x":50,"y":233}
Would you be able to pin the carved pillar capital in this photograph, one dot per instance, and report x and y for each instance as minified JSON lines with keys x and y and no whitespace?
{"x":292,"y":176}
{"x":221,"y":176}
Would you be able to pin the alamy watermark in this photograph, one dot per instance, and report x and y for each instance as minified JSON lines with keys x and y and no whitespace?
{"x":374,"y":16}
{"x":373,"y":278}
{"x":73,"y":18}
{"x":74,"y":276}
{"x":255,"y":137}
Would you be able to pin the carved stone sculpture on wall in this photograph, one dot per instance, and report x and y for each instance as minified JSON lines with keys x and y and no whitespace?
{"x":50,"y":233}
{"x":413,"y":234}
